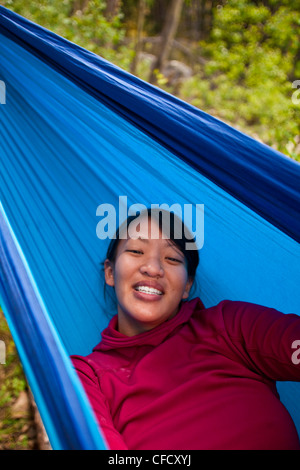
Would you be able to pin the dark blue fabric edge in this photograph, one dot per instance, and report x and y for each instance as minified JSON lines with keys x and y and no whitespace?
{"x":72,"y":428}
{"x":260,"y":177}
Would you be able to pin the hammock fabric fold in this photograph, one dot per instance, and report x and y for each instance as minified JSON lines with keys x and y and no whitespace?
{"x":77,"y":132}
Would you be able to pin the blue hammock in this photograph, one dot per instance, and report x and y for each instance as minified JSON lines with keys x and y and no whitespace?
{"x":77,"y":132}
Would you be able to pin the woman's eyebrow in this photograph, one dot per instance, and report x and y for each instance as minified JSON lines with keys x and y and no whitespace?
{"x":147,"y":239}
{"x":167,"y":242}
{"x":138,"y":238}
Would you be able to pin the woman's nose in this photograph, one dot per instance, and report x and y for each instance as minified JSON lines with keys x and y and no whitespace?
{"x":152,"y":266}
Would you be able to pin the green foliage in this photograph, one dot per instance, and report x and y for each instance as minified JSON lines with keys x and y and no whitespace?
{"x":12,"y":383}
{"x":250,"y":66}
{"x":87,"y":27}
{"x":12,"y":380}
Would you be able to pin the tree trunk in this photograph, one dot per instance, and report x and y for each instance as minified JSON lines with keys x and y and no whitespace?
{"x":139,"y":39}
{"x":168,"y":34}
{"x":112,"y":8}
{"x":78,"y":5}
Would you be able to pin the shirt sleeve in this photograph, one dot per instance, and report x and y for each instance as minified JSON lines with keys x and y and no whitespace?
{"x":90,"y":382}
{"x":268,"y":340}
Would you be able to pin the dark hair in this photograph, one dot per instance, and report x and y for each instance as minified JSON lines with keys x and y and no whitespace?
{"x":178,"y":234}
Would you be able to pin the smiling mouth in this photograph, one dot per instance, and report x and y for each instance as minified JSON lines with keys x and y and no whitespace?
{"x":148,"y":290}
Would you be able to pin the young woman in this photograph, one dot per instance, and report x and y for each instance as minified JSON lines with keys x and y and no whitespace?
{"x":170,"y":374}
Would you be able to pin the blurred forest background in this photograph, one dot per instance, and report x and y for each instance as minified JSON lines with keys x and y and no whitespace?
{"x":238,"y":60}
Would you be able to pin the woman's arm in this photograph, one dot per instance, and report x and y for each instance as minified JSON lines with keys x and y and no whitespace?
{"x":98,"y":402}
{"x":267,"y":339}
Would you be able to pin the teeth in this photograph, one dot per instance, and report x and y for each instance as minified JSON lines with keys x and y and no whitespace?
{"x":148,"y":290}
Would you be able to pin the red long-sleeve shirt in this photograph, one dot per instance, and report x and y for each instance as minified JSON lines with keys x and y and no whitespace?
{"x":205,"y":379}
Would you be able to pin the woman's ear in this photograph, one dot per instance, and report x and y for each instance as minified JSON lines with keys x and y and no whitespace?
{"x":187,"y":289}
{"x":109,"y":273}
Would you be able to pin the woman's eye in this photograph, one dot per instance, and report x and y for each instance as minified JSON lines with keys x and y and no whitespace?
{"x":175,"y":260}
{"x":135,"y":251}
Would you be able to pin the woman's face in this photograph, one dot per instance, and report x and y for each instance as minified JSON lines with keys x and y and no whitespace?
{"x":150,"y":279}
